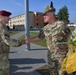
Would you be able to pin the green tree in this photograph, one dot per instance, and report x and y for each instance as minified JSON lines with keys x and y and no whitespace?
{"x":63,"y":14}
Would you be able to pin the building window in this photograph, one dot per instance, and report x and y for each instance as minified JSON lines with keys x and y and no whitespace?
{"x":37,"y":24}
{"x":37,"y":14}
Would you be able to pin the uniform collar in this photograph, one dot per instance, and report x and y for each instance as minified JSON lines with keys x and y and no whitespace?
{"x":53,"y":25}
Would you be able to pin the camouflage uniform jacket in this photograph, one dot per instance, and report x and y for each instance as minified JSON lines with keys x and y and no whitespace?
{"x":6,"y":41}
{"x":56,"y":33}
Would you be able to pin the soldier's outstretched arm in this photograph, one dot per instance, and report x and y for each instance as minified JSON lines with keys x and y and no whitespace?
{"x":35,"y":39}
{"x":11,"y":42}
{"x":7,"y":40}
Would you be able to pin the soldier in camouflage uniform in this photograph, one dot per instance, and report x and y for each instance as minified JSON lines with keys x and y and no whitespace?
{"x":54,"y":32}
{"x":5,"y":43}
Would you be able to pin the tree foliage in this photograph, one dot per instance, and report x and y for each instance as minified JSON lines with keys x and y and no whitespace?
{"x":63,"y":14}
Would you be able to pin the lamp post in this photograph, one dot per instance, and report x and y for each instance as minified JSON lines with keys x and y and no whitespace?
{"x":27,"y":30}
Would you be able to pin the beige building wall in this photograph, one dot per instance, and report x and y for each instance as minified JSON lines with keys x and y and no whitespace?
{"x":20,"y":20}
{"x":17,"y":20}
{"x":31,"y":19}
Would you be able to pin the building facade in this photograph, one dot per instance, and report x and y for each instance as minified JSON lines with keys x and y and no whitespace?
{"x":35,"y":21}
{"x":38,"y":19}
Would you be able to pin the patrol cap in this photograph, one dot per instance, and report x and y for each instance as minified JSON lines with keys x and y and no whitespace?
{"x":5,"y":13}
{"x":49,"y":8}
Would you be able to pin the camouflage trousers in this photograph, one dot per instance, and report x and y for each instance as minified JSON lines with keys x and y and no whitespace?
{"x":54,"y":65}
{"x":4,"y":65}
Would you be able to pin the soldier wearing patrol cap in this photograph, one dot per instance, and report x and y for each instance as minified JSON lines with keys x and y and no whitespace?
{"x":54,"y":32}
{"x":6,"y":42}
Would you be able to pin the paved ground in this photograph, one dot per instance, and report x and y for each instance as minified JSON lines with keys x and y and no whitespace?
{"x":23,"y":61}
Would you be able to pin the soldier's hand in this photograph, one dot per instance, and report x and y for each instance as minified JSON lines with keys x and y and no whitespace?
{"x":27,"y":41}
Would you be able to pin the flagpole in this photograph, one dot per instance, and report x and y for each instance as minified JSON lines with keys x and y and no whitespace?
{"x":27,"y":30}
